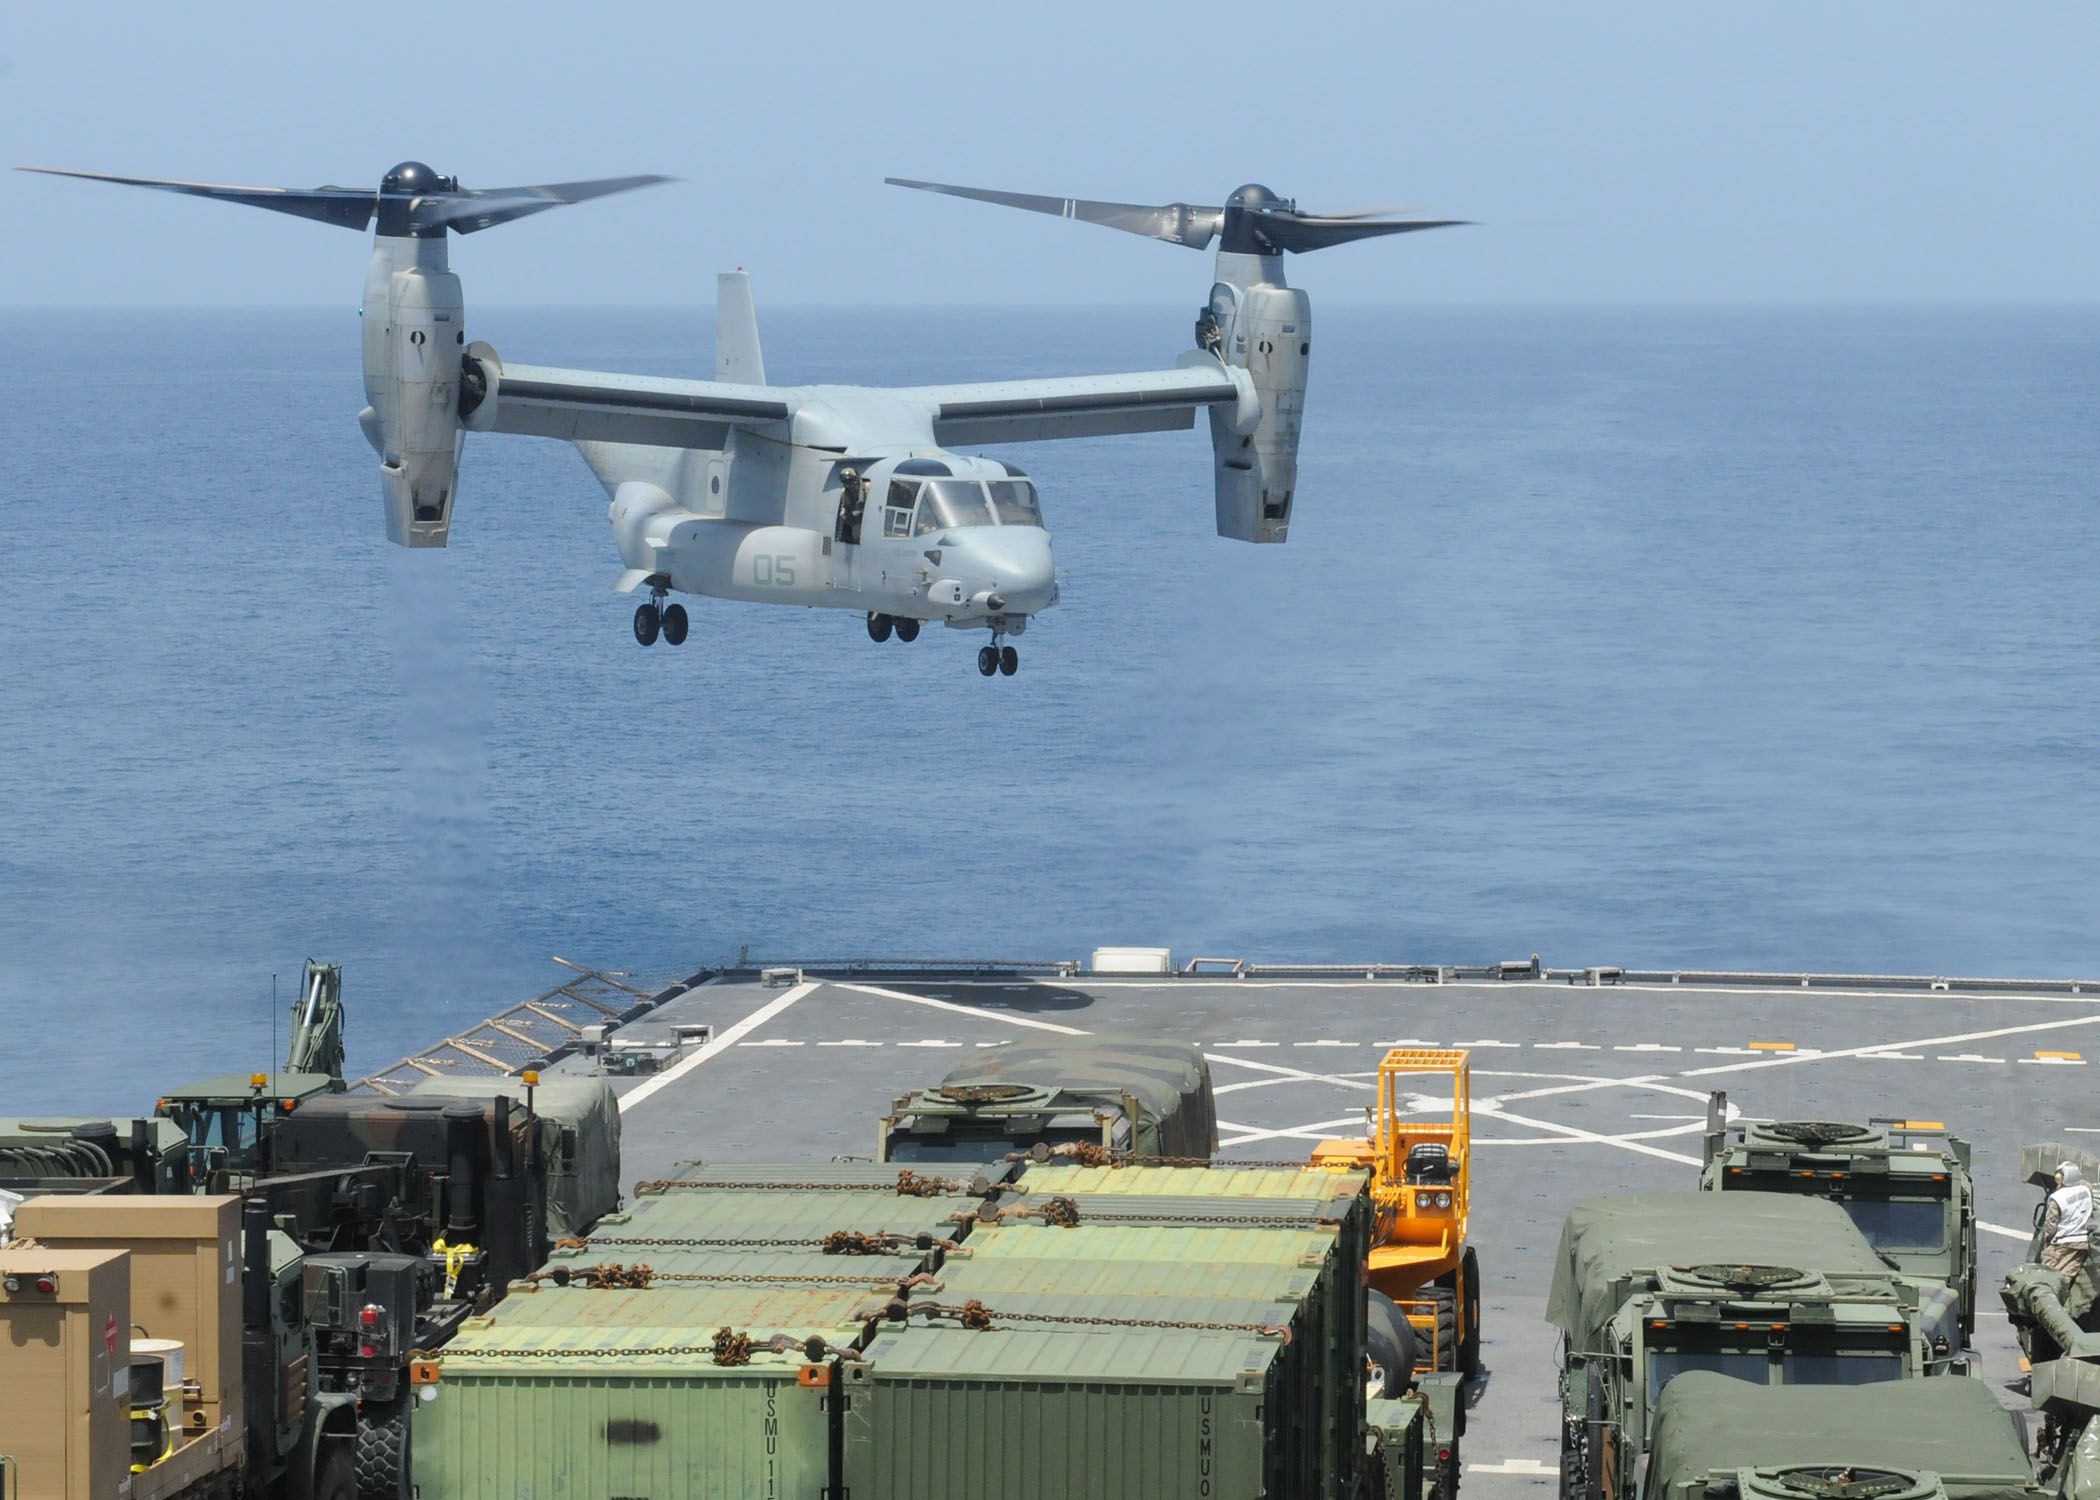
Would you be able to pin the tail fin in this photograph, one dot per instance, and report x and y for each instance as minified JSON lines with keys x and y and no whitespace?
{"x":737,"y":357}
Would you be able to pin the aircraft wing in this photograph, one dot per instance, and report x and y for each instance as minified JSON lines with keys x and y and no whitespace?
{"x":1027,"y":411}
{"x":589,"y":405}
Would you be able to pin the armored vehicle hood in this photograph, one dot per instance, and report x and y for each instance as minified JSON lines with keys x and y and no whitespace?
{"x":1607,"y":1241}
{"x":1952,"y":1427}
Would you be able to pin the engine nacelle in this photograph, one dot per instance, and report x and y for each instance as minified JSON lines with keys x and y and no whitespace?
{"x":415,"y":335}
{"x":1265,"y":328}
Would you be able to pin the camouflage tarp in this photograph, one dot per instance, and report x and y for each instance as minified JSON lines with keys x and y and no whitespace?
{"x":579,"y":1140}
{"x":1606,"y":1240}
{"x":1169,"y":1080}
{"x":1950,"y":1426}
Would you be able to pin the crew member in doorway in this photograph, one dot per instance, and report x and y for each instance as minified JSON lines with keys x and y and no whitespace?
{"x":2067,"y":1225}
{"x":853,"y":499}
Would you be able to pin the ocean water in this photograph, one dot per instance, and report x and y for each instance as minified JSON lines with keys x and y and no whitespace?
{"x":1694,"y":637}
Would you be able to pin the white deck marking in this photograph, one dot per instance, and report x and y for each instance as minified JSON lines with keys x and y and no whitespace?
{"x":1318,"y":1130}
{"x":715,"y":1045}
{"x":929,"y":1044}
{"x":774,"y":1041}
{"x":1295,"y":1075}
{"x":1487,"y":1042}
{"x":1893,"y":1056}
{"x":1566,"y":1046}
{"x":1972,"y":1057}
{"x":1591,"y":1137}
{"x":966,"y":1010}
{"x":1727,"y":1051}
{"x":2040,"y":1060}
{"x":1243,"y":1043}
{"x":1515,"y":1466}
{"x":1648,"y":1047}
{"x":850,"y":1042}
{"x":1794,"y":1058}
{"x":2000,"y":1229}
{"x":1251,"y":1083}
{"x":1324,"y":1044}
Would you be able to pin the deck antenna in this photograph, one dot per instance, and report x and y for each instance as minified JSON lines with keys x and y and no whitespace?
{"x":273,"y":1027}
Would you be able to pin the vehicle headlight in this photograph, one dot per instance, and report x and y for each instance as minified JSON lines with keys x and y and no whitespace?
{"x":1424,"y":1200}
{"x":1443,"y":1200}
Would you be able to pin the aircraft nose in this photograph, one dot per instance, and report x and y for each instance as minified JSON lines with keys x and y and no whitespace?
{"x":1014,"y":563}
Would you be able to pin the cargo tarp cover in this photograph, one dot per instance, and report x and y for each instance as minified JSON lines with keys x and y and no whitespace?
{"x":1168,"y":1080}
{"x":1949,"y":1426}
{"x":579,"y":1140}
{"x":1607,"y":1239}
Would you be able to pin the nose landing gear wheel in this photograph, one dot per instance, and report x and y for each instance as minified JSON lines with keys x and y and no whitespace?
{"x":647,"y":622}
{"x":675,"y":623}
{"x":988,"y":660}
{"x":907,"y":631}
{"x":1009,"y":660}
{"x":879,"y":626}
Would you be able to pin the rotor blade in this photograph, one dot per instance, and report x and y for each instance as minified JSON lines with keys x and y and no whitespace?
{"x":1177,"y":223}
{"x":469,"y":209}
{"x":350,"y":207}
{"x":1383,"y":211}
{"x":1300,"y":233}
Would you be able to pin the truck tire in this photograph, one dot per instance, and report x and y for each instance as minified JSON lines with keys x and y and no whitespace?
{"x":335,"y":1473}
{"x":1446,"y":1300}
{"x":1391,"y":1340}
{"x":1469,"y":1341}
{"x":382,"y":1451}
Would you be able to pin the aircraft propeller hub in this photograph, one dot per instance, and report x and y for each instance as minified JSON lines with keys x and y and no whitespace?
{"x":414,"y":177}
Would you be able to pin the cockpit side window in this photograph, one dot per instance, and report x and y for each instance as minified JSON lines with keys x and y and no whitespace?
{"x":951,"y":502}
{"x":896,"y":507}
{"x":1014,"y":500}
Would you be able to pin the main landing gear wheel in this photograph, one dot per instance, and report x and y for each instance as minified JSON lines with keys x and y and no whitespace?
{"x":879,"y":626}
{"x":987,"y":660}
{"x":1009,"y":660}
{"x":675,"y":624}
{"x":647,"y":623}
{"x":907,"y":630}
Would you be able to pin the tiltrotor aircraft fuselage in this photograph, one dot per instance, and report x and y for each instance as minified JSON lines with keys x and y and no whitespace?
{"x":839,"y":497}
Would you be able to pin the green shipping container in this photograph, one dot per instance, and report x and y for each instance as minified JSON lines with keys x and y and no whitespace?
{"x":569,"y":1394}
{"x":938,"y":1414}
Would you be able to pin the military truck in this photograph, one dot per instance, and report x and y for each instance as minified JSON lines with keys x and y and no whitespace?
{"x":229,"y":1119}
{"x":1086,"y":1098}
{"x":1905,"y":1183}
{"x":1714,"y":1438}
{"x":1766,"y":1289}
{"x":89,"y":1154}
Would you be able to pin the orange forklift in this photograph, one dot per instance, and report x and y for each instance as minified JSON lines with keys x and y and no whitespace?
{"x":1418,"y":1152}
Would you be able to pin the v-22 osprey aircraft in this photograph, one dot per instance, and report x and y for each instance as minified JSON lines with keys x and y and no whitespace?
{"x":840,"y":497}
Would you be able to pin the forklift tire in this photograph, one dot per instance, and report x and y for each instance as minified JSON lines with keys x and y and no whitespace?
{"x":382,"y":1451}
{"x":1469,"y":1341}
{"x":1446,"y":1300}
{"x":335,"y":1475}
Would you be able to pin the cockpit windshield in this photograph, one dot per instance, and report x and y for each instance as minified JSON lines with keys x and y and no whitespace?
{"x":1014,"y":500}
{"x":951,"y":502}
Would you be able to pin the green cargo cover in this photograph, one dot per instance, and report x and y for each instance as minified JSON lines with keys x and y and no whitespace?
{"x":1168,"y":1079}
{"x":1954,"y":1428}
{"x":1606,"y":1240}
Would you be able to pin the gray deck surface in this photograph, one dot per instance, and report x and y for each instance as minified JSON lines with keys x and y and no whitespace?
{"x":1577,"y":1091}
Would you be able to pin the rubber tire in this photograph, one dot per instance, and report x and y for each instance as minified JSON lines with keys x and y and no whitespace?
{"x":675,"y":624}
{"x":907,"y":631}
{"x":1572,"y":1479}
{"x":1391,"y":1340}
{"x":1009,"y":660}
{"x":1446,"y":1300}
{"x":647,"y":624}
{"x":987,"y":660}
{"x":879,"y":626}
{"x":1469,"y":1341}
{"x":382,"y":1451}
{"x":335,"y":1471}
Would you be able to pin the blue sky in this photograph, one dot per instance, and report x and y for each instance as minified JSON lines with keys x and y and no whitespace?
{"x":1869,"y":151}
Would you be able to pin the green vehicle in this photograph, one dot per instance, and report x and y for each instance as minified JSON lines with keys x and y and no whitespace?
{"x":1766,"y":1289}
{"x":1905,"y":1183}
{"x":1718,"y":1439}
{"x":86,"y":1154}
{"x":1086,"y":1098}
{"x":228,"y":1120}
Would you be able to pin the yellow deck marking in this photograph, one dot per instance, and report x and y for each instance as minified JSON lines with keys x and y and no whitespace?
{"x":1771,"y":1046}
{"x":2062,"y":1056}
